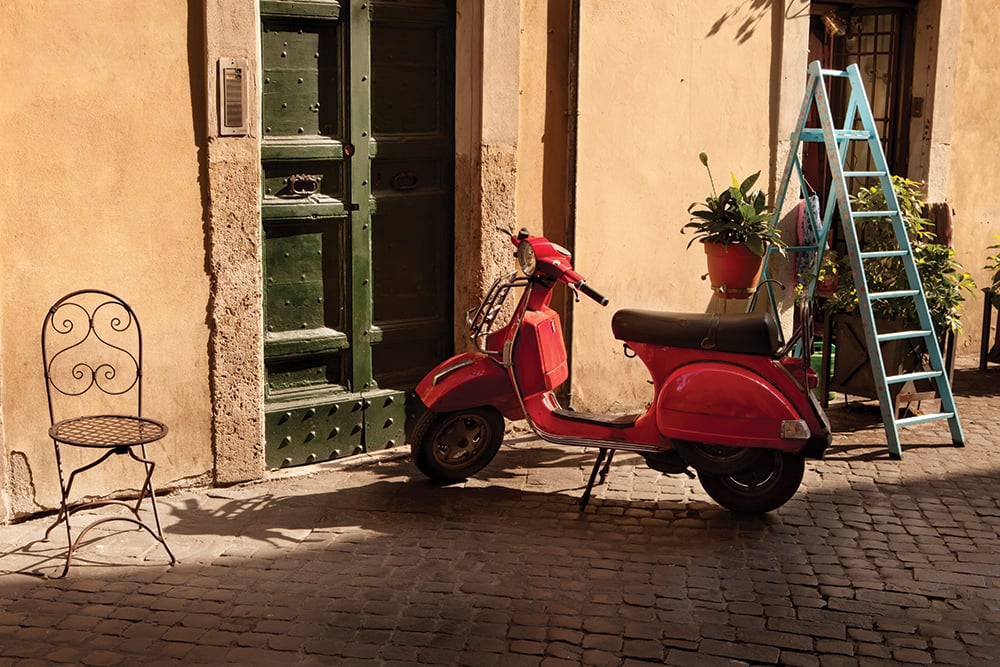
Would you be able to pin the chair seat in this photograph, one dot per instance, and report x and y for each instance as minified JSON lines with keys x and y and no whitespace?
{"x":107,"y":431}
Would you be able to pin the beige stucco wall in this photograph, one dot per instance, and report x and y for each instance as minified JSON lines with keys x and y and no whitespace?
{"x":543,"y":117}
{"x":487,"y":47}
{"x":99,"y":187}
{"x":659,"y":83}
{"x":974,"y":177}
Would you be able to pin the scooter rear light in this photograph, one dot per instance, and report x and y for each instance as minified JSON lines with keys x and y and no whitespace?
{"x":795,"y":429}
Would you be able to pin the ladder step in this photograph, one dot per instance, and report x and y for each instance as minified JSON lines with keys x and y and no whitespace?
{"x":873,"y":214}
{"x":906,"y":377}
{"x":920,"y":419}
{"x":802,"y":248}
{"x":902,"y":335}
{"x":875,"y":254}
{"x":834,"y":72}
{"x":865,"y":174}
{"x":897,"y":294}
{"x":815,"y":134}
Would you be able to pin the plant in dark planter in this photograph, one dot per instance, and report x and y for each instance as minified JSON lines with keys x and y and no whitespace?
{"x":735,"y":228}
{"x":993,"y":294}
{"x":993,"y":264}
{"x":945,"y":287}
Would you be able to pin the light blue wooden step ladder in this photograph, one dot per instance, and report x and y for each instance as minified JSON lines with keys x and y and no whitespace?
{"x":859,"y":125}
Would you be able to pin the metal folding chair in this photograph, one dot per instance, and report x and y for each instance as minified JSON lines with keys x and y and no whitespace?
{"x":92,"y":352}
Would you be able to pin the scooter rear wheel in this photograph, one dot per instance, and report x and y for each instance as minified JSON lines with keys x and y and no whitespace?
{"x":452,"y":446}
{"x":765,"y":485}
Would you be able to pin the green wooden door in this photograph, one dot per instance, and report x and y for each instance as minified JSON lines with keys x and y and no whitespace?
{"x":323,"y":400}
{"x":413,"y":113}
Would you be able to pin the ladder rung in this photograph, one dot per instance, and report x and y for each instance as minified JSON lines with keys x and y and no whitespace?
{"x":897,"y":294}
{"x":864,"y":174}
{"x":906,"y":377}
{"x":874,"y":214}
{"x":816,"y":134}
{"x":920,"y":419}
{"x":802,"y":248}
{"x":834,"y":72}
{"x":852,"y":134}
{"x":876,"y":254}
{"x":902,"y":335}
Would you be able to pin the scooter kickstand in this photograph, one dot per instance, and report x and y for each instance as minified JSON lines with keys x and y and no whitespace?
{"x":601,"y":454}
{"x":607,"y":466}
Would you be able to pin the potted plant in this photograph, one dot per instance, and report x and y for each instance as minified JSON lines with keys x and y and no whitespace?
{"x":993,"y":264}
{"x":993,"y":294}
{"x":944,"y":282}
{"x":735,"y":228}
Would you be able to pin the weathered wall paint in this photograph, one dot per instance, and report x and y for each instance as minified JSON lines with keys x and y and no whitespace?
{"x":233,"y":243}
{"x":100,"y":116}
{"x":486,"y":135}
{"x":974,"y":173}
{"x":659,"y":83}
{"x":543,"y":144}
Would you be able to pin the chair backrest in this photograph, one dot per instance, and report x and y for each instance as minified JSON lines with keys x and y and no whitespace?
{"x":92,"y":352}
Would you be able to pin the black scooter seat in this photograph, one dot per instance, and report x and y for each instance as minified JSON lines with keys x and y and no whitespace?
{"x":742,"y":333}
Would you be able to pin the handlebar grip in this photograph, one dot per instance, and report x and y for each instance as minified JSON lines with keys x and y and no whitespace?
{"x":592,"y":293}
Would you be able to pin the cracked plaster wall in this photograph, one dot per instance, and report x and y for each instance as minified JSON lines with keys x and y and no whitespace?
{"x":233,"y":227}
{"x":101,"y":109}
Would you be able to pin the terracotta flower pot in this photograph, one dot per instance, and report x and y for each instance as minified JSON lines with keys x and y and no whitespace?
{"x":734,"y":268}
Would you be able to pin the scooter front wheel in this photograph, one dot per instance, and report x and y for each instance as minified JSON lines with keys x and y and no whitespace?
{"x":765,"y":485}
{"x":451,"y":446}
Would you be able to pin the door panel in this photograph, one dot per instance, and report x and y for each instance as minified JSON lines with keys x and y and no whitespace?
{"x":413,"y":113}
{"x":337,"y":77}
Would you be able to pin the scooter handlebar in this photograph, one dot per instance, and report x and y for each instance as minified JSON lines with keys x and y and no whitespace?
{"x":592,"y":293}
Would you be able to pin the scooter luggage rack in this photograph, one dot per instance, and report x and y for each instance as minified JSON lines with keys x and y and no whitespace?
{"x":481,"y":318}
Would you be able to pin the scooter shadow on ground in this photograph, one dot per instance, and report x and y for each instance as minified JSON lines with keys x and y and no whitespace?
{"x":400,"y":497}
{"x":402,"y":504}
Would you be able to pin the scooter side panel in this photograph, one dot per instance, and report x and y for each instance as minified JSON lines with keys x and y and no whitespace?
{"x":540,"y":355}
{"x":726,"y":404}
{"x":469,"y":380}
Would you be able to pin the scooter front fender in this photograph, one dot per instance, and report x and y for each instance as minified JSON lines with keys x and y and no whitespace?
{"x":469,"y":380}
{"x":725,"y":404}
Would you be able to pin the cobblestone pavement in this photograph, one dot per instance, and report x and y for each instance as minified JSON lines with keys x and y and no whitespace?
{"x":874,"y":561}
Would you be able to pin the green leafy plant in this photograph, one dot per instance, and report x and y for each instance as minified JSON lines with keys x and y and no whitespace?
{"x":738,"y":214}
{"x":993,"y":264}
{"x":944,"y":281}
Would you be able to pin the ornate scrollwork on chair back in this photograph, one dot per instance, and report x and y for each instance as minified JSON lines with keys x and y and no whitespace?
{"x":90,"y":340}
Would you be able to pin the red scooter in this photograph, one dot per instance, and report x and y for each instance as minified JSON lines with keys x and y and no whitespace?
{"x":728,"y":399}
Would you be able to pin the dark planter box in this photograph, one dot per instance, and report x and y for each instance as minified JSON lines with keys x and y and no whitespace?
{"x":853,"y":372}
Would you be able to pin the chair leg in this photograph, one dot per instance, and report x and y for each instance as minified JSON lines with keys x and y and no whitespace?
{"x":65,"y":510}
{"x":148,"y":486}
{"x":67,"y":487}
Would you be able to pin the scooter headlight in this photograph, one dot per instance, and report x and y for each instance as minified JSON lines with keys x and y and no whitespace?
{"x":526,"y":258}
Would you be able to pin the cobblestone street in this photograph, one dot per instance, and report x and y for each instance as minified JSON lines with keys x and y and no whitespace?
{"x":874,"y":561}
